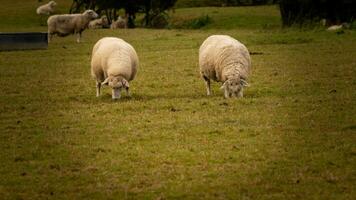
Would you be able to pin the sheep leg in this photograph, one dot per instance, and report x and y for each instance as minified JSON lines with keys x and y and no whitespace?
{"x":49,"y":37}
{"x":79,"y":35}
{"x":240,"y":94}
{"x":98,"y":85}
{"x":207,"y":84}
{"x":128,"y":92}
{"x":226,"y":93}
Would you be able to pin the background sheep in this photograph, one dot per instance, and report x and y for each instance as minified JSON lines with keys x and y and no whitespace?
{"x":119,"y":23}
{"x":66,"y":24}
{"x":99,"y":23}
{"x":338,"y":27}
{"x":114,"y":62}
{"x":46,"y":9}
{"x":224,"y":59}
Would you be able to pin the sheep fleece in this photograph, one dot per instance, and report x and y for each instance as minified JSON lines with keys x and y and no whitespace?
{"x":113,"y":57}
{"x":46,"y":9}
{"x":67,"y":23}
{"x":221,"y":56}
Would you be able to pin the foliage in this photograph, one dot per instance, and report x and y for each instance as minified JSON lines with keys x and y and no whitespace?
{"x":195,"y":23}
{"x":204,"y":3}
{"x":307,"y":11}
{"x":151,"y":8}
{"x":161,"y":20}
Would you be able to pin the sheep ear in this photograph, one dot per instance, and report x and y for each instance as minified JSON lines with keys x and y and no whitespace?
{"x":106,"y":81}
{"x":244,"y":83}
{"x":125,"y":83}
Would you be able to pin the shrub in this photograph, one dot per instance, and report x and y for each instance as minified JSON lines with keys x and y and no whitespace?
{"x":192,"y":23}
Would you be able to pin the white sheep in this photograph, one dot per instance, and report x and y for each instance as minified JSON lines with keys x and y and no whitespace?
{"x":46,"y":9}
{"x":119,"y":23}
{"x":66,"y":24}
{"x":99,"y":23}
{"x":338,"y":27}
{"x":224,"y":59}
{"x":114,"y":62}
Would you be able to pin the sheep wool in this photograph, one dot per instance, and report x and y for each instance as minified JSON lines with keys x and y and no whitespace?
{"x":46,"y":9}
{"x":119,"y":23}
{"x":67,"y":24}
{"x":224,"y":59}
{"x":99,"y":23}
{"x":114,"y":62}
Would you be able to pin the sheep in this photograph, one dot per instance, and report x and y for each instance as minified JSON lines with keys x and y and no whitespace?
{"x":46,"y":9}
{"x":114,"y":62}
{"x":119,"y":23}
{"x":338,"y":27}
{"x":66,"y":24}
{"x":224,"y":59}
{"x":99,"y":23}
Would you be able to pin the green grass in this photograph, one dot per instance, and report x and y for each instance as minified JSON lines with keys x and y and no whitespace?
{"x":226,"y":18}
{"x":291,"y":137}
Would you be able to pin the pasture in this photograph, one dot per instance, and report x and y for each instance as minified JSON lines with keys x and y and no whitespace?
{"x":291,"y":137}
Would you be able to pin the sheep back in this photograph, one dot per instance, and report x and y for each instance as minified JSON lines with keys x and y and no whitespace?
{"x":113,"y":57}
{"x":68,"y":23}
{"x":219,"y":56}
{"x":99,"y":23}
{"x":46,"y":9}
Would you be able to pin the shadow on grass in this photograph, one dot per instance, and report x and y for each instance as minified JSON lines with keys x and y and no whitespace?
{"x":250,"y":97}
{"x":106,"y":98}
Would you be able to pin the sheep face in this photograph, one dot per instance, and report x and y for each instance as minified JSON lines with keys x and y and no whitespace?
{"x":52,"y":3}
{"x":116,"y":84}
{"x":234,"y":87}
{"x":104,"y":21}
{"x":91,"y":14}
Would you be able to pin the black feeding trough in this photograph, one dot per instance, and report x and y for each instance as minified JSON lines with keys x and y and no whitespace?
{"x":23,"y":41}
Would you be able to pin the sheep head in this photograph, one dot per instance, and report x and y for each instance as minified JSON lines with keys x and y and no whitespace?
{"x":104,"y":20}
{"x":52,"y":3}
{"x":233,"y":87}
{"x":91,"y":14}
{"x":117,"y":83}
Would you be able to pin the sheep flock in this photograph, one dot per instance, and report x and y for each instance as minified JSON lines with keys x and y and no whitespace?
{"x":114,"y":62}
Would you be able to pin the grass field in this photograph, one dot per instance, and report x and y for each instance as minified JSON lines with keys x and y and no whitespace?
{"x":291,"y":137}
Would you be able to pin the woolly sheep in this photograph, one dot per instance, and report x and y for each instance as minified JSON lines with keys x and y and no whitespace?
{"x":46,"y":9}
{"x":224,"y":59}
{"x":338,"y":27}
{"x":66,"y":24}
{"x":119,"y":23}
{"x":99,"y":23}
{"x":114,"y":62}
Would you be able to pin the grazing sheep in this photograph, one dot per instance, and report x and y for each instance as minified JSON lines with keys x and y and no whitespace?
{"x":114,"y":62}
{"x":46,"y":9}
{"x":99,"y":23}
{"x":224,"y":59}
{"x":66,"y":24}
{"x":119,"y":23}
{"x":338,"y":27}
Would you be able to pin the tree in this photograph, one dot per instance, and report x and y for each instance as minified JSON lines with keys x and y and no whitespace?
{"x":151,"y":8}
{"x":307,"y":11}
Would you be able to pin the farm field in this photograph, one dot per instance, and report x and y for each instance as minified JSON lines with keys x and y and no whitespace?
{"x":292,"y":136}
